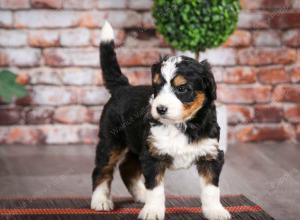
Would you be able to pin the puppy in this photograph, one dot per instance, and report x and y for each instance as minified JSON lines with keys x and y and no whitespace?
{"x":169,"y":125}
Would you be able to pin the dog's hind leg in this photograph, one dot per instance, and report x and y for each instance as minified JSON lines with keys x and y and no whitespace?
{"x":107,"y":158}
{"x":131,"y":173}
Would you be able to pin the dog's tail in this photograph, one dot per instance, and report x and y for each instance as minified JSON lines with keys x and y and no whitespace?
{"x":112,"y":75}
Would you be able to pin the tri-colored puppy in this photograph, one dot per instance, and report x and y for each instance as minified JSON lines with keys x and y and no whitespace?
{"x":169,"y":125}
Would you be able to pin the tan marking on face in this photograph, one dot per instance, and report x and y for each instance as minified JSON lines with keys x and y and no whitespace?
{"x":156,"y":79}
{"x":179,"y":80}
{"x":190,"y":109}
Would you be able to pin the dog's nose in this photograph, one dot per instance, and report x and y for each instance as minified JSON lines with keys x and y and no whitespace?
{"x":161,"y":109}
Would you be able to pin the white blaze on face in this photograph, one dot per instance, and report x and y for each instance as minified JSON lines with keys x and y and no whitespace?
{"x":166,"y":96}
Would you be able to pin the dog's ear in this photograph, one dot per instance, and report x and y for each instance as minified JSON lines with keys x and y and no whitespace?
{"x":209,"y":81}
{"x":155,"y":68}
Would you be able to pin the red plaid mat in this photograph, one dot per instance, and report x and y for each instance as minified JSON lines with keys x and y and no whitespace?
{"x":78,"y":208}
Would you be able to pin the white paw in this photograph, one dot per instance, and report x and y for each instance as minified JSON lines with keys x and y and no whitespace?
{"x":101,"y":203}
{"x":152,"y":213}
{"x":138,"y":191}
{"x":140,"y":197}
{"x":216,"y":213}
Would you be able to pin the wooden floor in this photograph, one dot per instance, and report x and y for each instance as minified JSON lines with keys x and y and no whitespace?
{"x":268,"y":174}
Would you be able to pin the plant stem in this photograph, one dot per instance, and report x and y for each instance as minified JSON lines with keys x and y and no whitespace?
{"x":197,"y":55}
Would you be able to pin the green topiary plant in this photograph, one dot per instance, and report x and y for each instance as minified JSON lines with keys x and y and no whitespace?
{"x":195,"y":25}
{"x":10,"y":86}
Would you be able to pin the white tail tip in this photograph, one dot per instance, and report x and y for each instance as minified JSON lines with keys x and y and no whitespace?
{"x":107,"y":33}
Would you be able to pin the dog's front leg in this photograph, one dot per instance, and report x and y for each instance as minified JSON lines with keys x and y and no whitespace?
{"x":209,"y":171}
{"x":154,"y":207}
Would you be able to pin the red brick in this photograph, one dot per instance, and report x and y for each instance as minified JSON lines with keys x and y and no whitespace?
{"x":13,"y":38}
{"x":93,"y":96}
{"x":14,"y":4}
{"x":46,"y":19}
{"x":148,"y":21}
{"x":272,"y":75}
{"x":71,"y":114}
{"x":64,"y":57}
{"x":44,"y":38}
{"x":75,"y":37}
{"x":140,"y":5}
{"x":44,"y":76}
{"x":239,"y":38}
{"x":24,"y":101}
{"x":140,"y":39}
{"x":294,"y":73}
{"x":81,"y":76}
{"x":94,"y":114}
{"x":250,"y":4}
{"x":244,"y":95}
{"x":9,"y":116}
{"x":54,"y":4}
{"x":218,"y":73}
{"x":266,"y":4}
{"x":61,"y":134}
{"x":287,"y":93}
{"x":253,"y":20}
{"x":220,"y":56}
{"x":4,"y":60}
{"x":119,"y":37}
{"x":118,"y":19}
{"x":79,"y":4}
{"x":21,"y":135}
{"x":256,"y":133}
{"x":266,"y":38}
{"x":39,"y":115}
{"x":138,"y":76}
{"x":239,"y":75}
{"x":264,"y":56}
{"x":285,"y":20}
{"x":21,"y":57}
{"x":6,"y":19}
{"x":137,"y":57}
{"x":267,"y":113}
{"x":298,"y":132}
{"x":292,"y":113}
{"x":239,"y":114}
{"x":89,"y":134}
{"x":109,"y":4}
{"x":51,"y":95}
{"x":291,"y":38}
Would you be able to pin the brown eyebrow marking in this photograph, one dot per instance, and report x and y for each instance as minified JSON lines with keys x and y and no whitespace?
{"x":156,"y":78}
{"x":179,"y":80}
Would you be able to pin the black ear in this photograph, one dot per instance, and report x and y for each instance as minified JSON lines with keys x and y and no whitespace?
{"x":155,"y":68}
{"x":209,"y":81}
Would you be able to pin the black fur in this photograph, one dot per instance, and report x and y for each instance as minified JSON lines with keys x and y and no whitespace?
{"x":113,"y":76}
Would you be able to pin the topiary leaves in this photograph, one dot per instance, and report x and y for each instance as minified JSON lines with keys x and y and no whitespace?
{"x":9,"y":88}
{"x":195,"y":24}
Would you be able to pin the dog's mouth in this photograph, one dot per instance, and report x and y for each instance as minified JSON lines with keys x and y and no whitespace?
{"x":165,"y":119}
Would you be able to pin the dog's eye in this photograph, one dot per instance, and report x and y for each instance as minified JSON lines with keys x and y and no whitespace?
{"x":182,"y":89}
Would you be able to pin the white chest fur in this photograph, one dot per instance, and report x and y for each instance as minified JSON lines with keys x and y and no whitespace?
{"x":167,"y":139}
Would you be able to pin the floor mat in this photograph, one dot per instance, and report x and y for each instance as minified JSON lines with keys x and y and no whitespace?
{"x":177,"y":208}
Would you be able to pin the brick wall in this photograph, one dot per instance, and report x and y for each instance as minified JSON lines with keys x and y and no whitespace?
{"x":53,"y":45}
